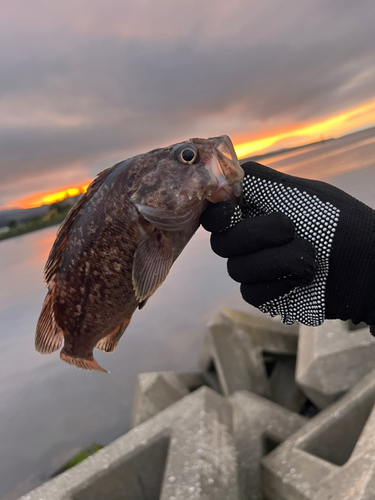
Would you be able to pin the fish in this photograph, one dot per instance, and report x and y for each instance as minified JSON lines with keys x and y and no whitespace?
{"x":118,"y":243}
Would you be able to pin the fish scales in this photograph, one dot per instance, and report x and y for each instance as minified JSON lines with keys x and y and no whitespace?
{"x":118,"y":243}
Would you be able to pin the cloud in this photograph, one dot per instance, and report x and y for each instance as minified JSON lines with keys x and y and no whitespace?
{"x":82,"y":82}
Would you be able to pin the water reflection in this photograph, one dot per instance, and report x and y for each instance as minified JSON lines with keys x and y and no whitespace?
{"x":50,"y":410}
{"x":42,"y":247}
{"x":329,"y":159}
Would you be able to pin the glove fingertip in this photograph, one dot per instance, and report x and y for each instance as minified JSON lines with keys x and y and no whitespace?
{"x":220,"y":216}
{"x":258,"y":294}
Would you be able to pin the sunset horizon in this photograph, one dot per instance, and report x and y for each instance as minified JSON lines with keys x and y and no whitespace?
{"x":47,"y":197}
{"x":333,"y":127}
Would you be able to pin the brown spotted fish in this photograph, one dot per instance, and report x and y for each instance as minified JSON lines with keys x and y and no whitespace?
{"x":118,"y":243}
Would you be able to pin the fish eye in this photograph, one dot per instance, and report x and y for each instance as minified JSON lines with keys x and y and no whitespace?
{"x":187,"y":155}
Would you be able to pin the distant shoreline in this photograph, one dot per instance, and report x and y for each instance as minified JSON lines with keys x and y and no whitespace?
{"x":35,"y":224}
{"x":24,"y":220}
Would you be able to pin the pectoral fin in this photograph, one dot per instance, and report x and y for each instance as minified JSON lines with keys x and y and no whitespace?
{"x":142,"y":304}
{"x":152,"y":262}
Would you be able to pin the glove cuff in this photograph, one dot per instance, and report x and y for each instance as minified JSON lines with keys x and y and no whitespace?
{"x":350,"y":290}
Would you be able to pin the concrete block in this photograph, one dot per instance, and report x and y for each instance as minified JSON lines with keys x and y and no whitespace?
{"x":267,"y":333}
{"x":259,"y":426}
{"x":238,"y":365}
{"x":331,"y":359}
{"x":244,"y":352}
{"x":156,"y":391}
{"x":332,"y":457}
{"x":185,"y":452}
{"x":283,"y":388}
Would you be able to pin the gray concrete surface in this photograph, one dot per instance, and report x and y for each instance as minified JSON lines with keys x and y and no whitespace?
{"x":282,"y":382}
{"x":267,"y":333}
{"x":186,"y":452}
{"x":157,"y":391}
{"x":231,"y":355}
{"x":331,"y":359}
{"x":332,"y":457}
{"x":245,"y":352}
{"x":259,"y":426}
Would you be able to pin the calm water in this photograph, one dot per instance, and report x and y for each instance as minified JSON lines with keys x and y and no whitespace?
{"x":49,"y":410}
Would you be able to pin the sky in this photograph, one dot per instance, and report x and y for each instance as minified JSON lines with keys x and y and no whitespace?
{"x":87,"y":83}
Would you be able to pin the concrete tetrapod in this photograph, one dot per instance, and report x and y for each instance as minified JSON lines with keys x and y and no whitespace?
{"x":156,"y":391}
{"x":259,"y":426}
{"x":245,"y":352}
{"x":267,"y":333}
{"x":186,"y":452}
{"x":231,"y":356}
{"x":332,"y":457}
{"x":331,"y":359}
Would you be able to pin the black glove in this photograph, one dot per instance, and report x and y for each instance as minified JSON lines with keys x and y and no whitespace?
{"x":310,"y":256}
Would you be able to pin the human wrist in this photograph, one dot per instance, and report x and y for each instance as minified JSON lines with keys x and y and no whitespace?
{"x":350,"y":290}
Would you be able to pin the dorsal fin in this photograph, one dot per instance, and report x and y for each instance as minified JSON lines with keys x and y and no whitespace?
{"x":59,"y":245}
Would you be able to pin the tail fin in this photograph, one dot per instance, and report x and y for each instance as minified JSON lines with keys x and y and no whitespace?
{"x":48,"y":336}
{"x":86,"y":364}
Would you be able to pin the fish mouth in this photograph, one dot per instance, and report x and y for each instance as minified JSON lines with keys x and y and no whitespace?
{"x":227,"y":192}
{"x":225,"y":170}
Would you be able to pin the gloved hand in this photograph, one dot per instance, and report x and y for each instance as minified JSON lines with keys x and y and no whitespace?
{"x":301,"y":249}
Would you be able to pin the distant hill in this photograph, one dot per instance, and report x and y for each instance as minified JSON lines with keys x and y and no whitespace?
{"x":24,"y":214}
{"x":21,"y":214}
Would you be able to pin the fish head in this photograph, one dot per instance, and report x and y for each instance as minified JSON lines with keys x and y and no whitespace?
{"x":222,"y":172}
{"x":181,"y":179}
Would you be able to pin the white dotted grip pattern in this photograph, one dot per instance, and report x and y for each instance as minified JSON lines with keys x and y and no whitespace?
{"x":315,"y":221}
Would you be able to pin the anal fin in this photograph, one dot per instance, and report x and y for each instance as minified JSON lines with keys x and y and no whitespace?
{"x":48,"y":336}
{"x":86,"y":364}
{"x":110,"y":341}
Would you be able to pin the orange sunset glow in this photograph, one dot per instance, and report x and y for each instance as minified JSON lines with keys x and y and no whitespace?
{"x":334,"y":126}
{"x":49,"y":197}
{"x":293,"y":135}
